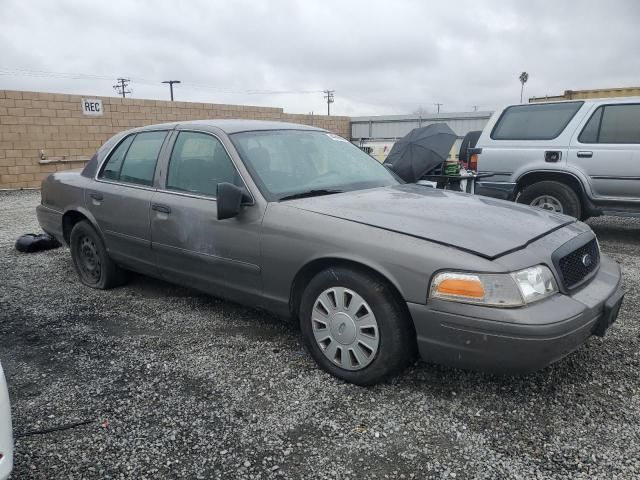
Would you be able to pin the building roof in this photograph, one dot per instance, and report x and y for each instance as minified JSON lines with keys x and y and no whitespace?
{"x":427,"y":117}
{"x":594,"y":93}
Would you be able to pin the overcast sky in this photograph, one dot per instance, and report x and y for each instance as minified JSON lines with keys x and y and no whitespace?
{"x":381,"y":57}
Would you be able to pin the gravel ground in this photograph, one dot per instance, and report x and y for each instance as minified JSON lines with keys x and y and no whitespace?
{"x":175,"y":384}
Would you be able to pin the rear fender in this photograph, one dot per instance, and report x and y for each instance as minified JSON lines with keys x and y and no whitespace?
{"x":88,"y":215}
{"x":520,"y":176}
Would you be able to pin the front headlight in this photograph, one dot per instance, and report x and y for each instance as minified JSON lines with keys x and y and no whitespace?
{"x":496,"y":290}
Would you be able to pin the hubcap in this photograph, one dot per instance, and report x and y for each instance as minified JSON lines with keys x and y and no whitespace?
{"x":90,"y":259}
{"x":547,"y":202}
{"x":345,"y":328}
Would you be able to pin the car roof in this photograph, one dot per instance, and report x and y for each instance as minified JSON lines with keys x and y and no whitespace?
{"x":230,"y":126}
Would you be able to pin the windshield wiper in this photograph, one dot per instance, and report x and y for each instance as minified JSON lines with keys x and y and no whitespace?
{"x":311,"y":193}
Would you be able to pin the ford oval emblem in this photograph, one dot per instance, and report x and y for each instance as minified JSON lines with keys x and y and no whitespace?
{"x":587,"y":260}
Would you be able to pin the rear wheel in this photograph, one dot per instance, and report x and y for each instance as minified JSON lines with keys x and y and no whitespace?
{"x":354,"y":327}
{"x":554,"y":196}
{"x":91,"y":260}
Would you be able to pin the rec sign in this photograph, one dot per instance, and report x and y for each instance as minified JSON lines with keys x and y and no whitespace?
{"x":92,"y":106}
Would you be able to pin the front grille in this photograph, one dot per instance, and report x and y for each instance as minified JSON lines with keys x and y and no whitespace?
{"x":579,"y":264}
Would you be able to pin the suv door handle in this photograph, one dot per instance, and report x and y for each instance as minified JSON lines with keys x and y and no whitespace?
{"x":96,"y":196}
{"x":585,"y":154}
{"x":160,"y":208}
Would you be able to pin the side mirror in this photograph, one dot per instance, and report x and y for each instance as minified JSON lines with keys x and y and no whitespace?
{"x":229,"y":199}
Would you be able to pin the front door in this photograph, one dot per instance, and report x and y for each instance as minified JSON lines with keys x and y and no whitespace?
{"x":607,"y":149}
{"x":191,"y":245}
{"x":120,"y":199}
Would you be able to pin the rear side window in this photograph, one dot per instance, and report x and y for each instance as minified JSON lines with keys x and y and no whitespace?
{"x":111,"y":170}
{"x":134,"y":160}
{"x":534,"y":122}
{"x":198,"y":163}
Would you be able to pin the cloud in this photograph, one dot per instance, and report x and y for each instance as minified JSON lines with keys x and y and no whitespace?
{"x":381,"y":57}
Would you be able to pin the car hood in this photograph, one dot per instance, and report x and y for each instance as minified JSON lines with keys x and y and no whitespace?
{"x":481,"y":225}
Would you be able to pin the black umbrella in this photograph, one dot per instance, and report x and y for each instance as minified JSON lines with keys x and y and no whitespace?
{"x":421,"y":151}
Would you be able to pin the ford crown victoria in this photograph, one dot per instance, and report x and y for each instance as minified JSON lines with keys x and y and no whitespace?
{"x":298,"y":221}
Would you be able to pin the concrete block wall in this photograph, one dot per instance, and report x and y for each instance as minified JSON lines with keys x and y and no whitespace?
{"x":42,"y":133}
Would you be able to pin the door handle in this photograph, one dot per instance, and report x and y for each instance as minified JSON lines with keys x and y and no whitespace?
{"x":585,"y":154}
{"x":96,"y":196}
{"x":160,"y":208}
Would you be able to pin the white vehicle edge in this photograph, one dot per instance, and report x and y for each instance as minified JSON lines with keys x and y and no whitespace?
{"x":6,"y":436}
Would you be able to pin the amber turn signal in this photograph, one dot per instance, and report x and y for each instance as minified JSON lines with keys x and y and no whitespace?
{"x":464,"y":287}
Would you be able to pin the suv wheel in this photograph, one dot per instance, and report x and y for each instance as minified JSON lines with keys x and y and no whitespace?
{"x":554,"y":196}
{"x":91,"y":260}
{"x":354,"y":327}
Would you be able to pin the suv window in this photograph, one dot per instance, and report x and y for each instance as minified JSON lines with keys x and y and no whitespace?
{"x":620,"y":124}
{"x":134,"y":160}
{"x":534,"y":122}
{"x":613,"y":124}
{"x":589,"y":133}
{"x":198,"y":163}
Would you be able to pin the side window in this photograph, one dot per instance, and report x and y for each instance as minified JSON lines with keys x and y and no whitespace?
{"x":198,"y":163}
{"x":111,"y":170}
{"x":543,"y":121}
{"x":620,"y":124}
{"x":613,"y":124}
{"x":589,"y":133}
{"x":140,"y":162}
{"x":134,"y":160}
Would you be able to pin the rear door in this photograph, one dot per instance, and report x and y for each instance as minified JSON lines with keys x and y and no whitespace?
{"x":120,"y":199}
{"x":191,"y":245}
{"x":607,"y":150}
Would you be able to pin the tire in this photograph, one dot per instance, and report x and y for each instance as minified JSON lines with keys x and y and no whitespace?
{"x":91,"y":260}
{"x":356,"y":363}
{"x":552,"y":194}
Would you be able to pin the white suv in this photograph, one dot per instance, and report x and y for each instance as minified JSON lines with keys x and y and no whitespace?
{"x":579,"y":157}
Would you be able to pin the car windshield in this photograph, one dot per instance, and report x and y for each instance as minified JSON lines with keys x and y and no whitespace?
{"x":293,"y":163}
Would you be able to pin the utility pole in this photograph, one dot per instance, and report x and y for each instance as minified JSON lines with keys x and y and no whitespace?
{"x":475,"y":108}
{"x":121,"y":87}
{"x":330,"y":99}
{"x":438,"y":105}
{"x":171,"y":82}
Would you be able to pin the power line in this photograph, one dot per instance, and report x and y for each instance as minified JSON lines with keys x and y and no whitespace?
{"x":151,"y":82}
{"x":329,"y":95}
{"x":47,"y":74}
{"x":121,"y":87}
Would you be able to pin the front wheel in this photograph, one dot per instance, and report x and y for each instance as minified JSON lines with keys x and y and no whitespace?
{"x":91,"y":260}
{"x":354,"y":326}
{"x":553,"y":196}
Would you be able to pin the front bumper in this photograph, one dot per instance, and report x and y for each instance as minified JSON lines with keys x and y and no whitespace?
{"x":6,"y":436}
{"x":520,"y":339}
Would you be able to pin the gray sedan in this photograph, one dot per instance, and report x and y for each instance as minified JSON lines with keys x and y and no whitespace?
{"x":298,"y":221}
